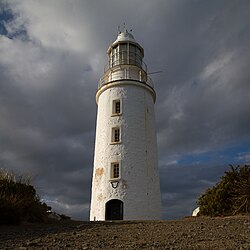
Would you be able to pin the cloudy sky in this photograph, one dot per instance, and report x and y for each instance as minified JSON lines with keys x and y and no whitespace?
{"x":52,"y":54}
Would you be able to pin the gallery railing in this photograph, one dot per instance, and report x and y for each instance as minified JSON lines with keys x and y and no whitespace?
{"x":118,"y":69}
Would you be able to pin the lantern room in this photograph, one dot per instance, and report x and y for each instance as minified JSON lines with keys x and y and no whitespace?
{"x":125,"y":50}
{"x":125,"y":61}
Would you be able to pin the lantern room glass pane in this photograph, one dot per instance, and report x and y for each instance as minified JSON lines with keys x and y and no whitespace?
{"x":114,"y":57}
{"x":138,"y":57}
{"x":123,"y":53}
{"x":132,"y":48}
{"x":123,"y":47}
{"x":132,"y":55}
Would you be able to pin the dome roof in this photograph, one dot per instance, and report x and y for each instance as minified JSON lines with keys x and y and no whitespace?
{"x":125,"y":36}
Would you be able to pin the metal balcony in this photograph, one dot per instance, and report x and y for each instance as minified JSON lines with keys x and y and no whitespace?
{"x":125,"y":66}
{"x":125,"y":58}
{"x":140,"y":76}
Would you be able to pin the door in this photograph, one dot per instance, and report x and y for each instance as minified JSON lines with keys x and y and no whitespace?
{"x":114,"y":210}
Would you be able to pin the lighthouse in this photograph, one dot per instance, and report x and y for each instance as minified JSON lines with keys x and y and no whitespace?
{"x":125,"y":182}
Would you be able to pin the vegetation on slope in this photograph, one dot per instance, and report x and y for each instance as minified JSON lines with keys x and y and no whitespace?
{"x":19,"y":201}
{"x":230,"y":196}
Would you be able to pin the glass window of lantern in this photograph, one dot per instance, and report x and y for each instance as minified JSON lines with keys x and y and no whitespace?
{"x":132,"y":48}
{"x":115,"y":56}
{"x":138,"y":57}
{"x":123,"y":47}
{"x":132,"y":54}
{"x":123,"y":53}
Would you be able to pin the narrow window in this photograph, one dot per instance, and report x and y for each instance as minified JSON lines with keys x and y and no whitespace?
{"x":116,"y":107}
{"x":115,"y":170}
{"x":115,"y":134}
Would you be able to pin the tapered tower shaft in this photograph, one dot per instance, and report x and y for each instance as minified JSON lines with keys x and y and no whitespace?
{"x":125,"y":183}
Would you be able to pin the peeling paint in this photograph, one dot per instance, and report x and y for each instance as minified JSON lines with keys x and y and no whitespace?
{"x":100,"y":197}
{"x":125,"y":184}
{"x":99,"y":172}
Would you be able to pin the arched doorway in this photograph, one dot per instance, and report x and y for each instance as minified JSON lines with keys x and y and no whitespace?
{"x":114,"y":210}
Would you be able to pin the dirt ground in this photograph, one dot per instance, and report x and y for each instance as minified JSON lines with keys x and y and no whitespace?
{"x":188,"y":233}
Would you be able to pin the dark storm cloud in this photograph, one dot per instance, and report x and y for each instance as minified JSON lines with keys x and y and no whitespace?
{"x":45,"y":133}
{"x":49,"y":74}
{"x":204,"y":98}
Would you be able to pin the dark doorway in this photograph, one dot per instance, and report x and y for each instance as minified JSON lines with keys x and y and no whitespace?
{"x":114,"y":210}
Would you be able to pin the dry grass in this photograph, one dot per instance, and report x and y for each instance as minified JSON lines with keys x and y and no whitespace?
{"x":18,"y":200}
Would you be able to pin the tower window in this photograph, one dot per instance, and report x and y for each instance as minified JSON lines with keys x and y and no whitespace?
{"x":116,"y":135}
{"x":116,"y":110}
{"x":117,"y":107}
{"x":115,"y":170}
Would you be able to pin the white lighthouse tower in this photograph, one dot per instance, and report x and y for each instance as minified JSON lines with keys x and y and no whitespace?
{"x":125,"y":184}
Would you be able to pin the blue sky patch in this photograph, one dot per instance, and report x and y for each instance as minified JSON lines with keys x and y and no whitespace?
{"x":229,"y":155}
{"x":5,"y":16}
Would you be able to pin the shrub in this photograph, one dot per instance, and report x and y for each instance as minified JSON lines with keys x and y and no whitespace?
{"x":19,"y":201}
{"x":230,"y":196}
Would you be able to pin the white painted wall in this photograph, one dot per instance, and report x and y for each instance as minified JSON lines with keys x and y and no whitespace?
{"x":139,"y":186}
